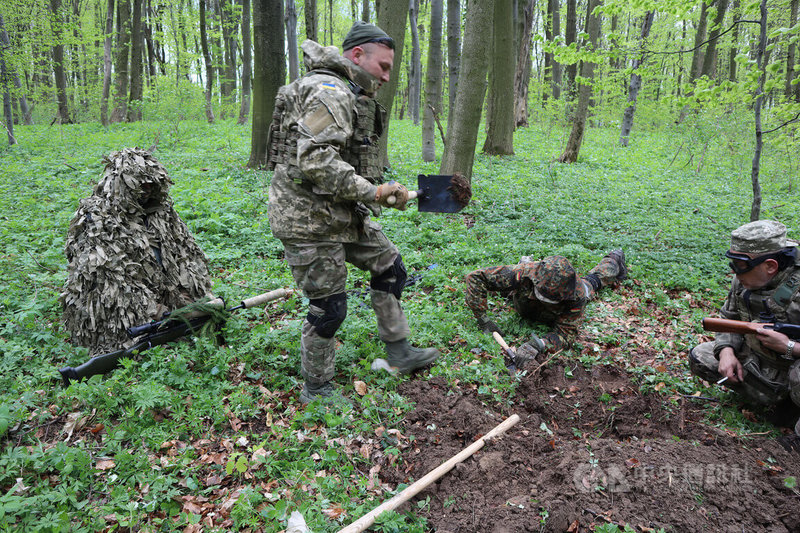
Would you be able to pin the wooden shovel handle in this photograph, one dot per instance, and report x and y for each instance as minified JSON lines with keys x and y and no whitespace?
{"x":411,"y":195}
{"x":500,"y":341}
{"x":415,"y":488}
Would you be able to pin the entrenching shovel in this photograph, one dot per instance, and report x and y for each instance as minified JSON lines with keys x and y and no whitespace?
{"x":440,"y":194}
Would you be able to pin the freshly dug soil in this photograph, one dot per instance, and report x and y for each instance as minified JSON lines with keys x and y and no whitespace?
{"x":591,"y":449}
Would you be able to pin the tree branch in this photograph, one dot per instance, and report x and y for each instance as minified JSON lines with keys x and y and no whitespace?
{"x":782,"y":125}
{"x":704,"y":42}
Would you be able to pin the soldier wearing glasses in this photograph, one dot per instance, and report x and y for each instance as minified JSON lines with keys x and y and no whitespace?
{"x":764,"y":368}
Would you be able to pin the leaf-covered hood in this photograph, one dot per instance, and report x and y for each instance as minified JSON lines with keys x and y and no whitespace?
{"x":128,"y":172}
{"x":328,"y":57}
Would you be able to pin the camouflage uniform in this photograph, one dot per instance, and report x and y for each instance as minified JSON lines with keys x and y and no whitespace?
{"x":325,"y":152}
{"x":130,"y":256}
{"x":518,"y":282}
{"x":769,"y":377}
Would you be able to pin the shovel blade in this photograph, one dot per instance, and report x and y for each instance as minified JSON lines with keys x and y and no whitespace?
{"x":436,"y":194}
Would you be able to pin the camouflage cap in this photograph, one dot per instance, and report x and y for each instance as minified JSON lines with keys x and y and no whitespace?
{"x":760,"y":237}
{"x":364,"y":32}
{"x":556,"y":280}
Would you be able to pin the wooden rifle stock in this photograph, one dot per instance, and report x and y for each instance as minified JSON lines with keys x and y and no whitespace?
{"x":724,"y":325}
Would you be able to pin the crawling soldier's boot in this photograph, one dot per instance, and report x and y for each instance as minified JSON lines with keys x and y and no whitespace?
{"x":404,"y":358}
{"x":619,"y":257}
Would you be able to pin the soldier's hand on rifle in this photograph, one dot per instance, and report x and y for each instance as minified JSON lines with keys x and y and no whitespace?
{"x":729,"y":365}
{"x":488,"y":326}
{"x":392,"y":194}
{"x":773,"y":340}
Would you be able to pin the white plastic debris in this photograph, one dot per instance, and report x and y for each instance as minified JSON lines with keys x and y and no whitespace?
{"x":297,"y":524}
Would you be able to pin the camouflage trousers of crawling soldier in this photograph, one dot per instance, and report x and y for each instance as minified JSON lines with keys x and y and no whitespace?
{"x":762,"y":384}
{"x":320,"y":271}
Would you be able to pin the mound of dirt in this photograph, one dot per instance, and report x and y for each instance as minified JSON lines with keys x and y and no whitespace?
{"x":591,"y":449}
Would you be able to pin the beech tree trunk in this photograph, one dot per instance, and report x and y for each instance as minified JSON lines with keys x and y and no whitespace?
{"x":311,"y":19}
{"x":107,"y":63}
{"x":790,"y":53}
{"x":710,"y":59}
{"x":5,"y":83}
{"x":5,"y":44}
{"x":269,"y":73}
{"x":207,"y":60}
{"x":734,"y":43}
{"x":573,"y":147}
{"x":290,"y":18}
{"x":522,"y":75}
{"x":247,"y":64}
{"x":453,"y":53}
{"x":755,"y":209}
{"x":58,"y":63}
{"x":462,"y":135}
{"x":415,"y":66}
{"x":392,"y":17}
{"x":121,"y":61}
{"x":433,"y":83}
{"x":570,"y":37}
{"x":500,"y":119}
{"x":636,"y":80}
{"x":137,"y":44}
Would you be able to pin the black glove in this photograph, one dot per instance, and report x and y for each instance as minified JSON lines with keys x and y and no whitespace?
{"x":526,"y":353}
{"x":488,"y":326}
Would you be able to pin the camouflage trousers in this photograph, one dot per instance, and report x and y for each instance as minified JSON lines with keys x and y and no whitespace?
{"x":762,"y":384}
{"x":320,"y":270}
{"x":605,"y":272}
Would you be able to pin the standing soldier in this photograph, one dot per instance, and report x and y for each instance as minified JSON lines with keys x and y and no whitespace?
{"x":131,"y":257}
{"x":547,"y":291}
{"x":325,"y":153}
{"x":764,"y":368}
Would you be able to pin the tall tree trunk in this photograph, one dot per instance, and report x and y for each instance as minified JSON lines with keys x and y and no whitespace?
{"x":710,"y":59}
{"x":247,"y":64}
{"x":636,"y":80}
{"x":699,"y":37}
{"x":311,"y":19}
{"x":207,"y":60}
{"x":137,"y":44}
{"x":229,"y":54}
{"x":522,"y":74}
{"x":269,"y":73}
{"x":121,"y":61}
{"x":107,"y":63}
{"x":555,"y":75}
{"x":790,"y":53}
{"x":462,"y":135}
{"x":5,"y":82}
{"x":433,"y":83}
{"x":58,"y":63}
{"x":365,"y":10}
{"x":573,"y":147}
{"x":415,"y":68}
{"x":5,"y":44}
{"x":734,"y":42}
{"x":290,"y":18}
{"x":392,"y":18}
{"x":755,"y":209}
{"x":500,"y":119}
{"x":552,"y":70}
{"x":570,"y":37}
{"x":453,"y":53}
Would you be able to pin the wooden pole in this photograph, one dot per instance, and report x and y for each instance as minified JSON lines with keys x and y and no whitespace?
{"x":415,"y":488}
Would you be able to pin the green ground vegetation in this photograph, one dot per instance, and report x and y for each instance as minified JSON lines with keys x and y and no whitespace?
{"x":194,"y":424}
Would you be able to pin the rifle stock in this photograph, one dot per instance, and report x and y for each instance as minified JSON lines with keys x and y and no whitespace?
{"x":724,"y":325}
{"x":157,"y":333}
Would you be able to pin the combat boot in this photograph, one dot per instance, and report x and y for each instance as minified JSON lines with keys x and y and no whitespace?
{"x":313,"y":390}
{"x":404,"y":358}
{"x":619,"y":257}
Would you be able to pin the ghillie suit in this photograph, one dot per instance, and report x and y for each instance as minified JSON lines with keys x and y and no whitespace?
{"x":131,"y":257}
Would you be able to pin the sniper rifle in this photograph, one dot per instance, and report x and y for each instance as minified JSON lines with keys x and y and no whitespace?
{"x":171,"y":327}
{"x":724,"y":325}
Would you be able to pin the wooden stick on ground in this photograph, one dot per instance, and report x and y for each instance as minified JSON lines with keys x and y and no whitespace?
{"x":415,"y":488}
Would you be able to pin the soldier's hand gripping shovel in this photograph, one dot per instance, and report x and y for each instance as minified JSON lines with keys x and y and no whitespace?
{"x":510,"y":354}
{"x":440,"y":194}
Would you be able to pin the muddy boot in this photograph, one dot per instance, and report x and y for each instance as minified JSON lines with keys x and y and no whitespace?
{"x":404,"y":358}
{"x":619,"y":257}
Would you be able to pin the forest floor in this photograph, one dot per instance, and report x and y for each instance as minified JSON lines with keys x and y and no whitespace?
{"x":592,"y":449}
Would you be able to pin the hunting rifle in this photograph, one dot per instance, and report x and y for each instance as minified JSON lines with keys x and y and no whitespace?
{"x":169,"y":328}
{"x":724,"y":325}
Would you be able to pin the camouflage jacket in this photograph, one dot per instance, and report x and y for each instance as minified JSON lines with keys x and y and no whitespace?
{"x":517,"y":283}
{"x":316,"y":194}
{"x":778,"y":301}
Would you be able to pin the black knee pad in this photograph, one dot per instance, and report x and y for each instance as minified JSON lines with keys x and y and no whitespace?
{"x":335,"y":309}
{"x":594,"y":281}
{"x":393,"y":279}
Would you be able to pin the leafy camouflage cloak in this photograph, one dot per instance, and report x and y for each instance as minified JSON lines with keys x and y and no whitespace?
{"x":130,"y":258}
